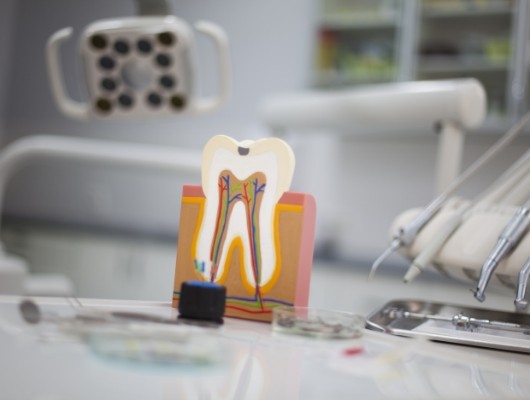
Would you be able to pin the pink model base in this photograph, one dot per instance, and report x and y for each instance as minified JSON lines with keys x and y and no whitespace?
{"x":296,"y":216}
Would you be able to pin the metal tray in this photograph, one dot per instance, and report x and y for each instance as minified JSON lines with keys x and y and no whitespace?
{"x":442,"y":324}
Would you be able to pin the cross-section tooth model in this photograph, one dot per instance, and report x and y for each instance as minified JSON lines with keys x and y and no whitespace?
{"x":243,"y":229}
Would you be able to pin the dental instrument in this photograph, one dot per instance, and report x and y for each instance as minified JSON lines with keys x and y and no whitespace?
{"x":460,"y":321}
{"x":317,"y":323}
{"x":502,"y":188}
{"x":453,"y":323}
{"x":508,"y":239}
{"x":520,"y":303}
{"x":405,"y":235}
{"x":32,"y":314}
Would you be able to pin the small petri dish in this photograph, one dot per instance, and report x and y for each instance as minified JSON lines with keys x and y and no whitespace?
{"x":317,"y":323}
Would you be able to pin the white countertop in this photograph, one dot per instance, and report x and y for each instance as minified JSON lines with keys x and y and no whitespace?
{"x":39,"y":363}
{"x":259,"y":364}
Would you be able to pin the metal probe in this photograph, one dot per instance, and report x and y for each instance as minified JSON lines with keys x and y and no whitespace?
{"x":510,"y":236}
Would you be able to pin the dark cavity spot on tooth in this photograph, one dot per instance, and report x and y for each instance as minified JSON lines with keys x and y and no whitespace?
{"x":243,"y":151}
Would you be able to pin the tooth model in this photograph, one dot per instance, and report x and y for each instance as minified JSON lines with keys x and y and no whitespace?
{"x":243,"y":229}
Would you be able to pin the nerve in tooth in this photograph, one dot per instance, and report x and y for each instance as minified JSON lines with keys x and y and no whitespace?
{"x":242,"y":183}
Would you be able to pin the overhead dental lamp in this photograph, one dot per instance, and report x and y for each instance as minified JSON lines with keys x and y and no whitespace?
{"x":142,"y":66}
{"x":134,"y":67}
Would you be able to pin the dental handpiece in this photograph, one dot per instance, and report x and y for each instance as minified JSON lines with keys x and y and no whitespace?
{"x":406,"y":235}
{"x":426,"y":256}
{"x":510,"y":236}
{"x":520,"y":303}
{"x":501,"y":190}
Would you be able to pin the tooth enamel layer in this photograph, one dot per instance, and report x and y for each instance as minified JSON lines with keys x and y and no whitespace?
{"x":242,"y":189}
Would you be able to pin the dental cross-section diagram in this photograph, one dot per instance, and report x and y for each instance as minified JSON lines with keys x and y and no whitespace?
{"x":242,"y":228}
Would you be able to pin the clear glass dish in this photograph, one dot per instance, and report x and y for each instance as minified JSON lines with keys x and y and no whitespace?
{"x":318,"y":323}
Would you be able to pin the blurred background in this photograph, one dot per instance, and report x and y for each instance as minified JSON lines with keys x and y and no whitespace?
{"x":113,"y":231}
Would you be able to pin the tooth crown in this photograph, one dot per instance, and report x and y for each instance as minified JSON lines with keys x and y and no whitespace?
{"x":275,"y":148}
{"x":242,"y":219}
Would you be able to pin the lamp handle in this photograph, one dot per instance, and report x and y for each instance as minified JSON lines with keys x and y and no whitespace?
{"x":218,"y":35}
{"x":64,"y":102}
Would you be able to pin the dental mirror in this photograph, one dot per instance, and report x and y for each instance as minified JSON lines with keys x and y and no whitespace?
{"x":30,"y":312}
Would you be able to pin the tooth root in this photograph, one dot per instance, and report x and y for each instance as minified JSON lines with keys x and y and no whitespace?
{"x":242,"y":190}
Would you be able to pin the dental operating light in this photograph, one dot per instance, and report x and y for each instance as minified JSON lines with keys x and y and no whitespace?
{"x":134,"y":67}
{"x":142,"y":66}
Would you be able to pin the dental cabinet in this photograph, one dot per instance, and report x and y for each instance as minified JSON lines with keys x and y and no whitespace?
{"x":359,"y":42}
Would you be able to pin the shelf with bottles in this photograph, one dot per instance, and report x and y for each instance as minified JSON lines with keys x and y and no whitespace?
{"x":461,"y":64}
{"x":466,"y":8}
{"x":476,"y":47}
{"x":354,"y":22}
{"x":337,"y":79}
{"x":359,"y":14}
{"x":468,"y":38}
{"x":356,"y":42}
{"x":344,"y":58}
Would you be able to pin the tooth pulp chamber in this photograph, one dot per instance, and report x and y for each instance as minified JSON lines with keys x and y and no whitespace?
{"x":231,"y":191}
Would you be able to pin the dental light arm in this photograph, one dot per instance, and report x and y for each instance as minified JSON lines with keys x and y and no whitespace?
{"x":448,"y":106}
{"x":380,"y":108}
{"x":13,"y":156}
{"x":95,"y":151}
{"x":153,"y":7}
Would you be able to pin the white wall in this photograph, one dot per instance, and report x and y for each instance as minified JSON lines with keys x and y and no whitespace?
{"x":7,"y":16}
{"x":272,"y":52}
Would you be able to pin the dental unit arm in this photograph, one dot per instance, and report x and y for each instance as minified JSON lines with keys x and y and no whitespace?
{"x":501,"y":190}
{"x":143,"y":66}
{"x":448,"y":106}
{"x":405,"y":235}
{"x":489,"y":236}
